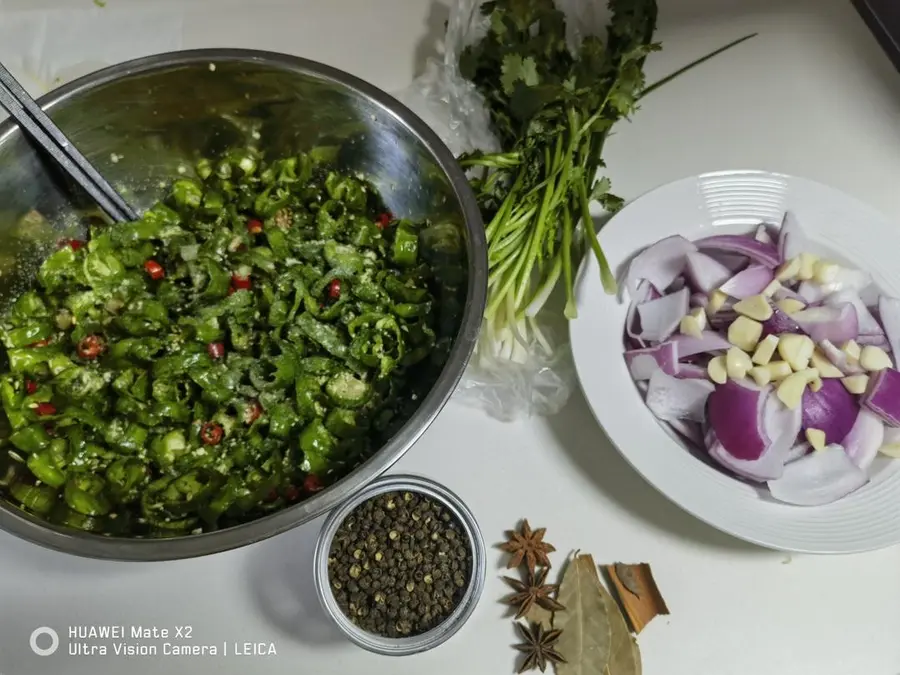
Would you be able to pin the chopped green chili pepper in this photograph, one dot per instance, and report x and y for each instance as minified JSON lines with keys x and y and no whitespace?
{"x":192,"y":368}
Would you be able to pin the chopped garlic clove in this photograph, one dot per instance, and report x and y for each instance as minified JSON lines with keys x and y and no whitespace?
{"x":816,"y":438}
{"x":825,"y":367}
{"x":700,"y":314}
{"x":717,"y":300}
{"x":874,"y":358}
{"x":745,"y":333}
{"x":790,"y":305}
{"x":756,"y":307}
{"x":790,"y":391}
{"x":851,"y":349}
{"x":807,"y":266}
{"x":856,"y":384}
{"x":770,"y":290}
{"x":825,"y":271}
{"x":716,"y":369}
{"x":765,"y":350}
{"x":760,"y":375}
{"x":779,"y":370}
{"x":816,"y":385}
{"x":690,"y":326}
{"x":737,"y":363}
{"x":797,"y":350}
{"x":788,"y":270}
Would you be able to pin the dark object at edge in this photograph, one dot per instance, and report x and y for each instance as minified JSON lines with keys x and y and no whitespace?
{"x":883,"y":19}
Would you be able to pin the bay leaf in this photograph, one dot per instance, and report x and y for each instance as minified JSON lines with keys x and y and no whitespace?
{"x":622,"y":648}
{"x":539,"y":615}
{"x":638,"y":664}
{"x":586,"y":632}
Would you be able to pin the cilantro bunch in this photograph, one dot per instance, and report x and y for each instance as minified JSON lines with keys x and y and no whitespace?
{"x":552,"y":111}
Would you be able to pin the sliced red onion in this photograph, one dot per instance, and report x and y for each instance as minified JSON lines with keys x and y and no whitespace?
{"x":864,"y":439}
{"x":889,"y":313}
{"x":810,"y":292}
{"x":644,"y":292}
{"x":883,"y":396}
{"x":642,"y":363}
{"x":752,"y":281}
{"x":772,"y":435}
{"x":836,"y":324}
{"x":785,"y":292}
{"x":705,"y":273}
{"x":690,"y":431}
{"x":818,"y":478}
{"x":660,"y":317}
{"x":791,"y":237}
{"x":691,"y":371}
{"x":732,"y":261}
{"x":699,"y":300}
{"x":839,"y":359}
{"x":757,"y":251}
{"x":798,"y":451}
{"x":709,"y":341}
{"x":660,"y":263}
{"x":849,"y":279}
{"x":868,"y":325}
{"x":670,"y":398}
{"x":832,"y":409}
{"x":780,"y":323}
{"x":722,"y":319}
{"x":735,"y":415}
{"x":676,"y":285}
{"x":762,"y":234}
{"x":874,"y":341}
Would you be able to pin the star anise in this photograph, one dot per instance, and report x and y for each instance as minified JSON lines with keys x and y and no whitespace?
{"x":539,"y":646}
{"x":534,"y":591}
{"x":529,"y":546}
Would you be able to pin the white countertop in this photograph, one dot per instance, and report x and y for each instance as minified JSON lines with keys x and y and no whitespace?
{"x":812,"y":95}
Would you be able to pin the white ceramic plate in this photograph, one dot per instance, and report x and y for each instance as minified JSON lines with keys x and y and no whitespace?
{"x":732,"y":202}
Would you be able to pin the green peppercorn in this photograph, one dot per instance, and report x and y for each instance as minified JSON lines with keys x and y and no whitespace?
{"x":399,"y":564}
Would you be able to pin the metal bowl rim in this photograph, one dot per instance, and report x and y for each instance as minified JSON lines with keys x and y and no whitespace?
{"x":461,"y":613}
{"x":25,"y":526}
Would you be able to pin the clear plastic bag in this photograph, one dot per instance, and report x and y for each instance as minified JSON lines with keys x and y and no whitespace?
{"x":530,"y":370}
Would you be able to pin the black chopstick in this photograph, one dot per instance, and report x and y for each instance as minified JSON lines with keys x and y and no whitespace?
{"x":45,"y":133}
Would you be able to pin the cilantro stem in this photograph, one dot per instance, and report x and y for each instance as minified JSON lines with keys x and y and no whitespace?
{"x":606,"y":275}
{"x":693,"y":64}
{"x":571,"y":310}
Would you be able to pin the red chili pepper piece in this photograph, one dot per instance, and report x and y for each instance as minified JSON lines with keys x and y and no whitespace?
{"x":75,"y":244}
{"x":252,"y":412}
{"x":45,"y":409}
{"x":40,"y":343}
{"x":239,"y":283}
{"x":334,"y":289}
{"x":384,"y":219}
{"x":216,"y":350}
{"x":254,"y":226}
{"x":211,"y":433}
{"x":154,"y":269}
{"x":312,"y":483}
{"x":272,"y":496}
{"x":291,"y":493}
{"x":30,"y":386}
{"x":90,"y":347}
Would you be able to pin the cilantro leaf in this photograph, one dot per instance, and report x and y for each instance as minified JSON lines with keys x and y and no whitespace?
{"x":517,"y":69}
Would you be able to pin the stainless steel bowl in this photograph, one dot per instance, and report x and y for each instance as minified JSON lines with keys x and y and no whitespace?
{"x":143,"y":121}
{"x":440,"y":633}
